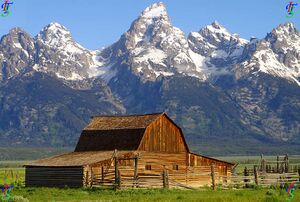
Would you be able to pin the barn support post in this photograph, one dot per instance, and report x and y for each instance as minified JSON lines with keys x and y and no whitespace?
{"x":255,"y":175}
{"x":135,"y":172}
{"x":213,"y":182}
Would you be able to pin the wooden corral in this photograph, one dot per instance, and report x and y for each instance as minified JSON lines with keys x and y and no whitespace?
{"x":136,"y":151}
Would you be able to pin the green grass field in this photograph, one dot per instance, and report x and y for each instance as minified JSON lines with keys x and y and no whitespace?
{"x":20,"y":193}
{"x":205,"y":195}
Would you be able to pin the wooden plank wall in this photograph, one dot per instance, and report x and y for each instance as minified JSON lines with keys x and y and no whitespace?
{"x":53,"y":176}
{"x":161,"y":160}
{"x":162,"y":136}
{"x":221,"y":167}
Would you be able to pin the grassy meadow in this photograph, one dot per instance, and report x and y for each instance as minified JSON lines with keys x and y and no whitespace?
{"x":257,"y":194}
{"x":101,"y":195}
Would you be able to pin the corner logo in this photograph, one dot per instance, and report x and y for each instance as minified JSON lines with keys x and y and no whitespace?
{"x":289,"y":8}
{"x":290,"y":190}
{"x":6,"y":191}
{"x":5,"y":7}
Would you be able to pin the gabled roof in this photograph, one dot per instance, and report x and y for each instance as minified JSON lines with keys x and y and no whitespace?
{"x":122,"y":132}
{"x":104,"y":140}
{"x":121,"y":122}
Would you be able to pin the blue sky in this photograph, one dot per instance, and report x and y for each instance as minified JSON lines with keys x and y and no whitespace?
{"x":98,"y":23}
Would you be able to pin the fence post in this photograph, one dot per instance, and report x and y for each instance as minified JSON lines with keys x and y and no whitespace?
{"x":119,"y":179}
{"x":12,"y":174}
{"x":17,"y":177}
{"x":299,"y":174}
{"x":213,"y":182}
{"x":246,"y":180}
{"x":92,"y":177}
{"x":286,"y":163}
{"x":255,"y":175}
{"x":102,"y":175}
{"x":277,"y":166}
{"x":165,"y":178}
{"x":135,"y":171}
{"x":116,"y":173}
{"x":86,"y":178}
{"x":281,"y":183}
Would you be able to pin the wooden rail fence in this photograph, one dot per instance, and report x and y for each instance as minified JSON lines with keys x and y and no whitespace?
{"x":190,"y":178}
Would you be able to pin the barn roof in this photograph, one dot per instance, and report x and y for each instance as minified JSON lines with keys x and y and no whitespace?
{"x":103,"y":140}
{"x":121,"y":122}
{"x":76,"y":158}
{"x":122,"y":132}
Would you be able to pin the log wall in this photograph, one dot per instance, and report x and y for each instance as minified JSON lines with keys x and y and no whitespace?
{"x":53,"y":176}
{"x":221,"y":167}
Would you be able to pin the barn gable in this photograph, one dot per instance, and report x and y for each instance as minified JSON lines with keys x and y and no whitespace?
{"x":163,"y":135}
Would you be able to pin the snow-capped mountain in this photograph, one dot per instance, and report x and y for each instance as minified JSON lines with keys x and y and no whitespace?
{"x":59,"y":54}
{"x":277,"y":54}
{"x":219,"y":47}
{"x":153,"y":47}
{"x":213,"y":83}
{"x":16,"y":53}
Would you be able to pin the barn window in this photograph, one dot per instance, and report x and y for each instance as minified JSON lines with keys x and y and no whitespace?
{"x":148,"y":167}
{"x":175,"y":167}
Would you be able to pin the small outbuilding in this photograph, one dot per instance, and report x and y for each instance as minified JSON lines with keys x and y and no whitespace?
{"x":112,"y":148}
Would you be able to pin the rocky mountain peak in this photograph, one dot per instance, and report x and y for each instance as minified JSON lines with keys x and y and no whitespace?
{"x":16,"y":53}
{"x":54,"y":34}
{"x":152,"y":25}
{"x":155,"y":47}
{"x":16,"y":30}
{"x":60,"y":55}
{"x":157,"y":10}
{"x":284,"y":34}
{"x":216,"y":43}
{"x":18,"y":38}
{"x":285,"y":29}
{"x":277,"y":54}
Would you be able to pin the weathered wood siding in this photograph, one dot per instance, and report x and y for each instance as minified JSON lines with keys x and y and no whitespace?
{"x":222,"y":168}
{"x":53,"y":176}
{"x":159,"y":160}
{"x":163,"y":136}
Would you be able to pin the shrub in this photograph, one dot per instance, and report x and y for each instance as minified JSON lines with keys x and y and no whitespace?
{"x":270,"y":192}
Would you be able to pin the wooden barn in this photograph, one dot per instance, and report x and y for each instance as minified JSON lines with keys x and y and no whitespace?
{"x":127,"y":150}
